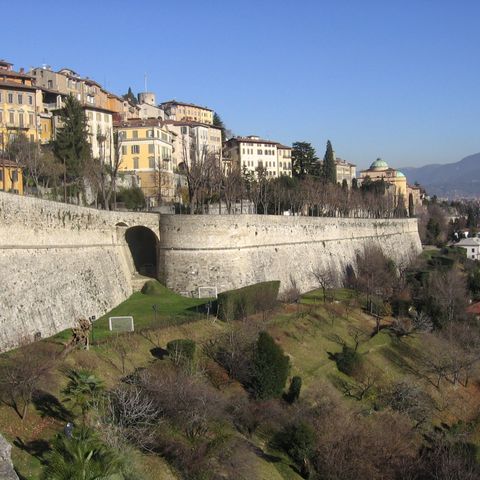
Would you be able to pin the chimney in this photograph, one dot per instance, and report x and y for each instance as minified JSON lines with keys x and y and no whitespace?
{"x":22,"y":70}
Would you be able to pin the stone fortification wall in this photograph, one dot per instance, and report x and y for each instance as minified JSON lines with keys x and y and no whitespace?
{"x":230,"y":252}
{"x":59,"y":263}
{"x":28,"y":221}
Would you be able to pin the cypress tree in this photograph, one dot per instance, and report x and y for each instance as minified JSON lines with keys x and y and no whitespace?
{"x":71,"y":145}
{"x":329,"y":172}
{"x":270,"y":368}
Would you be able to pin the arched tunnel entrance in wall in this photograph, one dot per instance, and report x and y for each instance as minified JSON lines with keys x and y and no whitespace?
{"x":143,"y":244}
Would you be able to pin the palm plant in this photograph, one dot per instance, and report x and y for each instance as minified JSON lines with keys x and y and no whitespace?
{"x":83,"y":386}
{"x":82,"y":456}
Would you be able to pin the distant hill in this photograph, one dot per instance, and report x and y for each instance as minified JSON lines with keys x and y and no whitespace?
{"x":452,"y":180}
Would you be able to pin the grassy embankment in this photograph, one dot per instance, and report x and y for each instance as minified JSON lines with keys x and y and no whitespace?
{"x":309,"y":333}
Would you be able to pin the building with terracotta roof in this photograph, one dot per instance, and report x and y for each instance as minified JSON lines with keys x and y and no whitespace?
{"x":20,"y":101}
{"x":181,"y":111}
{"x":251,"y":153}
{"x":98,"y":104}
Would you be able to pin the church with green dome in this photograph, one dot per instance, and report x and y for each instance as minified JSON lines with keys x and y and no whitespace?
{"x":379,"y":170}
{"x":396,"y":180}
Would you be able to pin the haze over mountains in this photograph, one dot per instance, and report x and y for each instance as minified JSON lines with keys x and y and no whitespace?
{"x":451,"y":180}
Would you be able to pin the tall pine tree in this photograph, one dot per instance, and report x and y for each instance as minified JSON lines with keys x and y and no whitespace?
{"x":71,"y":144}
{"x":329,"y":171}
{"x":304,"y":159}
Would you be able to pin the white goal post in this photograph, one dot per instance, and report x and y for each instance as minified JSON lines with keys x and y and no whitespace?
{"x":207,"y":292}
{"x":121,"y":324}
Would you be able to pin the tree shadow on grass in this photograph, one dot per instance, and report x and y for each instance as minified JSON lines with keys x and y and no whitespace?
{"x":36,"y":448}
{"x":49,"y":406}
{"x":263,"y":455}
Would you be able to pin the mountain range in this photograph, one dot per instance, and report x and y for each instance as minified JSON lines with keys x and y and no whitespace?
{"x":451,"y":180}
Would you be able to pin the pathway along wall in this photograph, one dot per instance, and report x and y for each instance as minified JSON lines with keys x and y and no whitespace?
{"x":234,"y":251}
{"x":58,"y":263}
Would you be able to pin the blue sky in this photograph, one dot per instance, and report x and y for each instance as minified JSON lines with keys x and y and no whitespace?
{"x":392,"y":78}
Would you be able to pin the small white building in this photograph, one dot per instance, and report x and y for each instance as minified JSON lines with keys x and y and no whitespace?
{"x":472,"y":246}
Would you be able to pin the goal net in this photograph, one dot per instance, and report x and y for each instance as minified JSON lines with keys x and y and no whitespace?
{"x":207,"y":292}
{"x":120,"y":324}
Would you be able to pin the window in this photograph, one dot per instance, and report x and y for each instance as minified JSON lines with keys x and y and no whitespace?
{"x":124,"y":149}
{"x":1,"y":118}
{"x":20,"y":99}
{"x":10,"y":98}
{"x":135,"y":163}
{"x":243,"y":151}
{"x":149,"y":135}
{"x":50,"y":84}
{"x":30,"y":118}
{"x":135,"y":134}
{"x":99,"y":117}
{"x":259,"y":152}
{"x":15,"y":176}
{"x":1,"y":175}
{"x":11,"y":118}
{"x":151,"y":162}
{"x":106,"y":117}
{"x":0,"y":97}
{"x":151,"y":148}
{"x":135,"y":149}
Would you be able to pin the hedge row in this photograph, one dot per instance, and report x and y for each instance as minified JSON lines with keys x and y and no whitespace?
{"x":237,"y":304}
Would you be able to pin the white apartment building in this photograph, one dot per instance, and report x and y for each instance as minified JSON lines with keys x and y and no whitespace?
{"x":252,"y":152}
{"x":345,"y":171}
{"x":194,"y":140}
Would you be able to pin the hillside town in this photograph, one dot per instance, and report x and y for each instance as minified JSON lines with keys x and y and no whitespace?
{"x":260,"y":262}
{"x":155,"y":147}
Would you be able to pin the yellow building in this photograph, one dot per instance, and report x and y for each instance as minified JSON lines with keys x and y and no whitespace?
{"x":188,"y":112}
{"x":20,"y":101}
{"x":11,"y":176}
{"x":146,"y":152}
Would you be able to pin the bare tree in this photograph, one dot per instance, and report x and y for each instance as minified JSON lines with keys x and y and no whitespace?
{"x":132,"y":415}
{"x":21,"y":375}
{"x":326,"y":277}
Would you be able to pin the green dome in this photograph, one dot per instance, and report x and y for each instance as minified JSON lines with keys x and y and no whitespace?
{"x":400,"y":174}
{"x":379,"y":164}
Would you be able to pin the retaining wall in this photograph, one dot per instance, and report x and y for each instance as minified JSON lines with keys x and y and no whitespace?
{"x":233,"y":251}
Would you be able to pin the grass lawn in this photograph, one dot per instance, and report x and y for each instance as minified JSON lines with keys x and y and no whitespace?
{"x":171,"y":309}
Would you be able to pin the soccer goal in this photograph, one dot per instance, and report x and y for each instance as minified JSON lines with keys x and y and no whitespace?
{"x":207,"y":292}
{"x":120,"y":324}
